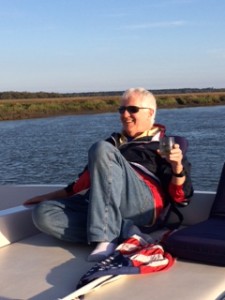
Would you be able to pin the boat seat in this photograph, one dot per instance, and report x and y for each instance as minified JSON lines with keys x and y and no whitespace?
{"x":205,"y":241}
{"x":182,"y":141}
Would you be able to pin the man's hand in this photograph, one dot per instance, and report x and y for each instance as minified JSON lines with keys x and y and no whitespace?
{"x":58,"y":194}
{"x":175,"y":158}
{"x":35,"y":200}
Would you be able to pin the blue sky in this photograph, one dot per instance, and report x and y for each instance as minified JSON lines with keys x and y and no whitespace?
{"x":110,"y":45}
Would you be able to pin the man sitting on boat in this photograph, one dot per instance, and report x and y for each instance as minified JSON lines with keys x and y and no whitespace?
{"x":126,"y":183}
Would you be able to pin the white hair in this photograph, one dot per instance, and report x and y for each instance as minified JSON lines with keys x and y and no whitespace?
{"x":147,"y":97}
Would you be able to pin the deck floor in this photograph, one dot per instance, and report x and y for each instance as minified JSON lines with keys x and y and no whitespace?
{"x":40,"y":268}
{"x":43,"y":268}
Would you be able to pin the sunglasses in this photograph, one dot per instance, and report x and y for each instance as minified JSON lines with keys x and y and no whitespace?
{"x":131,"y":109}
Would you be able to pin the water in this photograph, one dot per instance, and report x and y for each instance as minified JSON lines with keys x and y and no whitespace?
{"x":54,"y":150}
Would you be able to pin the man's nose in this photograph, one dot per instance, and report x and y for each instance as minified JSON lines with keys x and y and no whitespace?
{"x":126,"y":113}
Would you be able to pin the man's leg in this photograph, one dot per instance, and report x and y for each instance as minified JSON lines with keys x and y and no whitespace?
{"x":64,"y":219}
{"x":116,"y":193}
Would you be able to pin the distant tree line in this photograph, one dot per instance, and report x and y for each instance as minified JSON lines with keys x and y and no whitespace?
{"x":35,"y":95}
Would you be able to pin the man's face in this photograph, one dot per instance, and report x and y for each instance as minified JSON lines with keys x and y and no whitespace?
{"x":136,"y":123}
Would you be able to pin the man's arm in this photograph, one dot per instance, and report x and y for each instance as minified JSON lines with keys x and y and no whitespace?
{"x":58,"y":194}
{"x":180,"y":187}
{"x":175,"y":159}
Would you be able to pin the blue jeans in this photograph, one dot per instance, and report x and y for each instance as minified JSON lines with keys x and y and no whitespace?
{"x":117,"y":196}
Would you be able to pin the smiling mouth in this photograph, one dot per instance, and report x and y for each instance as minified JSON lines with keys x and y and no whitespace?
{"x":128,"y":121}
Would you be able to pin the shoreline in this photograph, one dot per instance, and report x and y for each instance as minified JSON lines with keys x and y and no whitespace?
{"x":22,"y":109}
{"x":91,"y":112}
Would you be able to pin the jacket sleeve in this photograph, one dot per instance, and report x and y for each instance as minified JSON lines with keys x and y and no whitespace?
{"x":177,"y":193}
{"x":180,"y":194}
{"x":81,"y":184}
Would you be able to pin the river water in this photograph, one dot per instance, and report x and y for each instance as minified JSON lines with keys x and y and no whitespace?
{"x":54,"y":150}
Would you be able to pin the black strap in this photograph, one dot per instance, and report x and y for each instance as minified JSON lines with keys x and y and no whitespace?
{"x":175,"y":210}
{"x":163,"y":220}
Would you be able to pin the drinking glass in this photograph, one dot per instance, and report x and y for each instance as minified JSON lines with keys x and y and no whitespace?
{"x":166,"y":144}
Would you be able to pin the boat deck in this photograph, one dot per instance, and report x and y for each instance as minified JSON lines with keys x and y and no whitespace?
{"x":34,"y":266}
{"x":42,"y":268}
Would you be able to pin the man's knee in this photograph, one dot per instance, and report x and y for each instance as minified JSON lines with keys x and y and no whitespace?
{"x":100,"y":148}
{"x":40,"y":216}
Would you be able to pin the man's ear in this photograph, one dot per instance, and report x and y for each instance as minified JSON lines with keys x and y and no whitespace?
{"x":151,"y":112}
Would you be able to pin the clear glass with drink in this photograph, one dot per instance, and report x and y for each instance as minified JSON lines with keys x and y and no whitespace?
{"x":165,"y":145}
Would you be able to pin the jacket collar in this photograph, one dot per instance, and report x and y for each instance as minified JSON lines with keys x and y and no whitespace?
{"x":155,"y":132}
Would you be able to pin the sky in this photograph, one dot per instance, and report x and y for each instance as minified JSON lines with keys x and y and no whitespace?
{"x":110,"y":45}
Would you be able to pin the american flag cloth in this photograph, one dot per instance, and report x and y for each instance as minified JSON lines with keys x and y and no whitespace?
{"x":133,"y":256}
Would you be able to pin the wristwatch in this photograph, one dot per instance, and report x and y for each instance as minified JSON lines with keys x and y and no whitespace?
{"x":181,"y":174}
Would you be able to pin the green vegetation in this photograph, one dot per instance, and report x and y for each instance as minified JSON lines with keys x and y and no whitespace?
{"x":36,"y":108}
{"x":14,"y":109}
{"x":192,"y":99}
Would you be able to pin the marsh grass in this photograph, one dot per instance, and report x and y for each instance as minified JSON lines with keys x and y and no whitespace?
{"x":37,"y":108}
